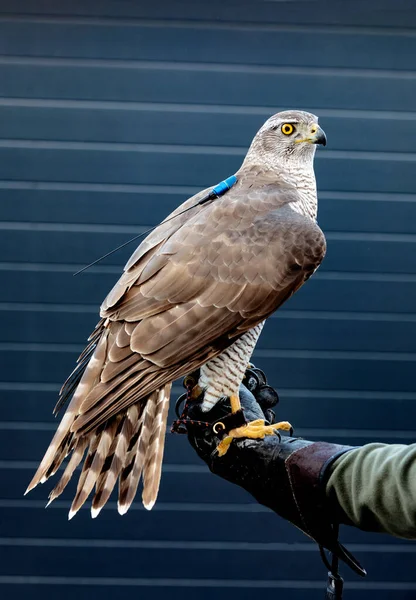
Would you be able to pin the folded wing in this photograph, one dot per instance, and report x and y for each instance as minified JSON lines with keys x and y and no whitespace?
{"x":193,"y":286}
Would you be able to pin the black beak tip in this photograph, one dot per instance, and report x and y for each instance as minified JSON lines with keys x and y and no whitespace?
{"x":321,"y":139}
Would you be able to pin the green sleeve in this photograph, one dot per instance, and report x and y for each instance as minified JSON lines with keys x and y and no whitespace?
{"x":375,"y":485}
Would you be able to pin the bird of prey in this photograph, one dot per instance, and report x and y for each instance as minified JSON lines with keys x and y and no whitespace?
{"x":194,"y":295}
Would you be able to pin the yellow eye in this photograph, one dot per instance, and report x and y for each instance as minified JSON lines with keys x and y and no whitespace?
{"x":287,"y":128}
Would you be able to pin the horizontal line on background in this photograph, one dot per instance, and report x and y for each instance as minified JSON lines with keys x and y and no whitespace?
{"x":357,"y":433}
{"x":186,"y":190}
{"x":347,"y":394}
{"x":159,"y":545}
{"x":136,"y":229}
{"x":61,"y":268}
{"x":354,"y":276}
{"x":366,"y":155}
{"x":281,"y":353}
{"x":363,"y":196}
{"x":19,"y":465}
{"x":19,"y":386}
{"x":27,"y":426}
{"x":72,"y":227}
{"x":167,"y":468}
{"x":289,"y":393}
{"x":117,"y":269}
{"x":192,"y":149}
{"x":207,"y":67}
{"x":199,"y":108}
{"x":311,"y":315}
{"x":39,"y":347}
{"x":302,"y":431}
{"x":197,"y":583}
{"x":196,"y":545}
{"x":97,"y":187}
{"x":332,"y":354}
{"x":212,"y":25}
{"x":159,"y":506}
{"x":121,"y":147}
{"x":61,"y":308}
{"x":326,"y":315}
{"x":359,"y":236}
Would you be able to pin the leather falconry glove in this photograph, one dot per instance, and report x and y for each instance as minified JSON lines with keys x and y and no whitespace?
{"x":286,"y":474}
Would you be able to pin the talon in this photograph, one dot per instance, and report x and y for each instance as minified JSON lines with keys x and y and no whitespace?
{"x":223,"y":446}
{"x":255,"y":430}
{"x":284,"y":425}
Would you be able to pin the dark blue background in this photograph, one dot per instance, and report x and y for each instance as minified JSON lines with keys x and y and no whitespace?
{"x":111,"y":114}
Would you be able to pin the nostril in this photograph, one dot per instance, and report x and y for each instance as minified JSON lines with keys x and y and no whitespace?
{"x":313,"y":130}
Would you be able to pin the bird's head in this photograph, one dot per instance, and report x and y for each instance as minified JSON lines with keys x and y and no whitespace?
{"x":291,"y":136}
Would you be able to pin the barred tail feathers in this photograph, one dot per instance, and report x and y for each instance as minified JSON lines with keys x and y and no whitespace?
{"x":145,"y":453}
{"x":76,"y":457}
{"x":127,"y":430}
{"x":99,"y":450}
{"x":152,"y":467}
{"x":124,"y":447}
{"x":60,"y":445}
{"x":132,"y":443}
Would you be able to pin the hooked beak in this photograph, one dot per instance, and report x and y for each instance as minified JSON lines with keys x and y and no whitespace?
{"x":317,"y":136}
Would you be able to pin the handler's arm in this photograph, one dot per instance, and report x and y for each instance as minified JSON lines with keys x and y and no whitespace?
{"x":375,"y":486}
{"x":315,"y":485}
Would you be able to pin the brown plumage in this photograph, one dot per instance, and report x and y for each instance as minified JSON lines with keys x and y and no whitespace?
{"x":128,"y":427}
{"x":194,"y":286}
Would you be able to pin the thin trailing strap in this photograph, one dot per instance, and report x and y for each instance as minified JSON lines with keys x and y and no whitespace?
{"x":335,"y":582}
{"x":179,"y":426}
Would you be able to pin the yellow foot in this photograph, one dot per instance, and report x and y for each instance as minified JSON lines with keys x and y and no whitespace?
{"x":254,"y":430}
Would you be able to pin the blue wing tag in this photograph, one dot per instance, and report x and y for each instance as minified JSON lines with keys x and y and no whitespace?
{"x":224,"y":186}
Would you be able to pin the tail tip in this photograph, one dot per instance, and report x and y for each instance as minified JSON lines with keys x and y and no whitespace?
{"x":72,"y":514}
{"x":31,"y":485}
{"x":149,"y":505}
{"x":122,"y":508}
{"x":95,"y":512}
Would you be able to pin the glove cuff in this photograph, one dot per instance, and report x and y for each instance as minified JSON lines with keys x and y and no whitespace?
{"x":307,"y":469}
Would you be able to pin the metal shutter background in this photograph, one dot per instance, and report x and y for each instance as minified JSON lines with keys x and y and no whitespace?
{"x":112,"y":113}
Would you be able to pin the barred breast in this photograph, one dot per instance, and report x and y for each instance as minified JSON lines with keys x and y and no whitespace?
{"x":221,"y":377}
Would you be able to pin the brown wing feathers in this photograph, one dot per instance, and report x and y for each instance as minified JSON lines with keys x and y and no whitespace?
{"x":187,"y":292}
